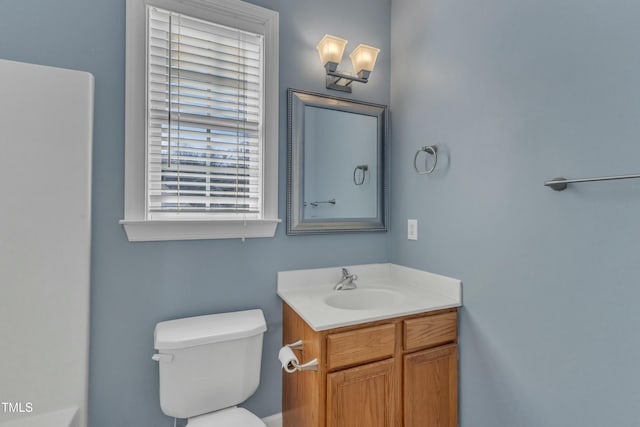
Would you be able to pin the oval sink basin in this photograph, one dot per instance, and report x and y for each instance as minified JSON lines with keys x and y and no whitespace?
{"x":364,"y":299}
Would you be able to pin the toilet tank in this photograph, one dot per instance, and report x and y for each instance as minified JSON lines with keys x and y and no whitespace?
{"x":208,"y":362}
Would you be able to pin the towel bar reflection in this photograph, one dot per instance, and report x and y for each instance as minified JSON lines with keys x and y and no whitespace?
{"x":317,"y":202}
{"x":559,"y":184}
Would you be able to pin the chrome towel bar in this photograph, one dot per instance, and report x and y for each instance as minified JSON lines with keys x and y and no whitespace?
{"x":560,"y":183}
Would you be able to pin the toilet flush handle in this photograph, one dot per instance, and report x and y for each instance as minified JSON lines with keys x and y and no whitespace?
{"x":159,"y":357}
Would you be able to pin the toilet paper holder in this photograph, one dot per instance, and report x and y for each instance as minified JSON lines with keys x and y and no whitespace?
{"x":311,"y":365}
{"x":295,"y":345}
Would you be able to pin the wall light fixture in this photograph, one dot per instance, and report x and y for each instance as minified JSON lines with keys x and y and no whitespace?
{"x":363,"y":59}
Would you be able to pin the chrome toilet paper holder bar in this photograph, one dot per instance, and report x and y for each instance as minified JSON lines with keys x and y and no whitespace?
{"x":295,"y":345}
{"x":311,"y":365}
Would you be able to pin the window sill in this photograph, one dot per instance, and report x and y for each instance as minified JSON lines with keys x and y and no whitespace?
{"x":159,"y":230}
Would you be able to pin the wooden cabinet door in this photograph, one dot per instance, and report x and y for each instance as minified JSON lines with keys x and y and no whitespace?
{"x":363,"y":396}
{"x":431,"y":388}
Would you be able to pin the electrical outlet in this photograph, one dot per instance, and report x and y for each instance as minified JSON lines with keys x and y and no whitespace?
{"x":412,"y":229}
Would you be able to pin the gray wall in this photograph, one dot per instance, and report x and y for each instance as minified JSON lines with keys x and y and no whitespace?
{"x":136,"y":285}
{"x":514,"y":93}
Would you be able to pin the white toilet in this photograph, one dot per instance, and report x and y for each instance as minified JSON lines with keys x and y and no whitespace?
{"x":209,"y":364}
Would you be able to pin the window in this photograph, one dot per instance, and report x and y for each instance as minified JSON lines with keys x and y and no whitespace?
{"x":201,"y":120}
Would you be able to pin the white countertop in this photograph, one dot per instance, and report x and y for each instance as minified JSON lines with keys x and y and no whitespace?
{"x":419,"y":291}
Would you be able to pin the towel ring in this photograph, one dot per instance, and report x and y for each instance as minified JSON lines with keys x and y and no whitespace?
{"x":364,"y":169}
{"x":429,"y":149}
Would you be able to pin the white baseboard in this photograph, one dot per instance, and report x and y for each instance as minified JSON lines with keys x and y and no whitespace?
{"x":273,"y":420}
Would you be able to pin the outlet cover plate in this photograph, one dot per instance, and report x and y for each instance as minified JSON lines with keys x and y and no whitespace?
{"x":412,"y":229}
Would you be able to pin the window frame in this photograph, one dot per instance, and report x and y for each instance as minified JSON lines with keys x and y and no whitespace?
{"x":232,"y":13}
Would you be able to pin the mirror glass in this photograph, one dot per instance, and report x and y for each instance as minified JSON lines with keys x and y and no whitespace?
{"x":336,"y":156}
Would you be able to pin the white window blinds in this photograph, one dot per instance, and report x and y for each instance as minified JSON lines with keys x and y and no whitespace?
{"x":204,"y":118}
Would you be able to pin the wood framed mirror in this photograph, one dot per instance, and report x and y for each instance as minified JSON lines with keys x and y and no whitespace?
{"x":336,"y":171}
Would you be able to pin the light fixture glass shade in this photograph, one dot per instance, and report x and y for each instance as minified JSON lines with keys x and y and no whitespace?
{"x":331,"y":49}
{"x":364,"y":58}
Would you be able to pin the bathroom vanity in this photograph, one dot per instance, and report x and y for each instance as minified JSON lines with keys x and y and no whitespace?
{"x":388,"y":360}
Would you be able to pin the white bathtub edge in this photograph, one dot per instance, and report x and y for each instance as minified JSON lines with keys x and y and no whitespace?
{"x":67,"y":417}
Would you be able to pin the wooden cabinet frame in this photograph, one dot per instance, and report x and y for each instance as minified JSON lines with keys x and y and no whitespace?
{"x":387,"y":349}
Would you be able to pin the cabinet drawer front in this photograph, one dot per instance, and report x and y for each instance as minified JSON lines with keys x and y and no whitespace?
{"x":360,"y":345}
{"x":430,"y":331}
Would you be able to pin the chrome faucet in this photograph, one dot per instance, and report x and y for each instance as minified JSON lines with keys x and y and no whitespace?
{"x":347,"y":281}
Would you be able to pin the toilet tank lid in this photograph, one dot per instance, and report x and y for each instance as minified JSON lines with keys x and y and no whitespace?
{"x":200,"y":330}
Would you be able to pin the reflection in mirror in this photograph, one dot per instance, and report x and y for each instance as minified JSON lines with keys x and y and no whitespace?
{"x":331,"y":164}
{"x":336,"y":157}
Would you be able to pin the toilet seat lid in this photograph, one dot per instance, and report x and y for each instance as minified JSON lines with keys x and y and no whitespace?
{"x":230,"y":417}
